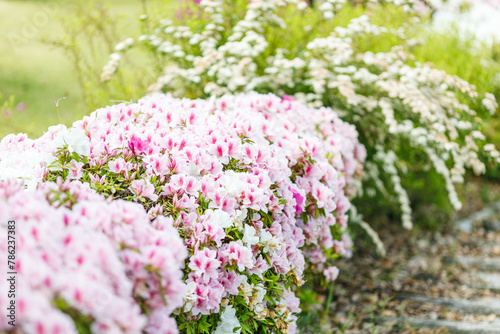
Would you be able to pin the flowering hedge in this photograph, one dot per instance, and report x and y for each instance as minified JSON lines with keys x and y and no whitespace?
{"x":411,"y":117}
{"x":86,"y":264}
{"x":257,"y":187}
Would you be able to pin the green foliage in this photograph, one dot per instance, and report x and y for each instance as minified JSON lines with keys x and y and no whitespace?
{"x":310,"y":318}
{"x":6,"y":104}
{"x":465,"y":56}
{"x":82,"y":322}
{"x":38,"y":74}
{"x":91,"y":34}
{"x":6,"y":110}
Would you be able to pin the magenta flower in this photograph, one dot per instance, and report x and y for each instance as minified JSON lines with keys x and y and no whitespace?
{"x":288,"y":98}
{"x":299,"y":200}
{"x":137,"y":145}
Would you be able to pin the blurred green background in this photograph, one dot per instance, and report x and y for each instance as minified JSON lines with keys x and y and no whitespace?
{"x":38,"y":74}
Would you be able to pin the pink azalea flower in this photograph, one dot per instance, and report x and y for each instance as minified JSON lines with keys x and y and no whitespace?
{"x":143,"y":188}
{"x":230,"y":281}
{"x":288,"y":98}
{"x":137,"y":145}
{"x":214,"y":232}
{"x":331,"y":273}
{"x":75,"y":170}
{"x":204,"y":264}
{"x":115,"y":239}
{"x":117,"y":166}
{"x":236,"y":253}
{"x":97,"y":179}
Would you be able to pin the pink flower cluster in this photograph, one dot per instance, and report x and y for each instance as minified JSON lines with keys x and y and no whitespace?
{"x":256,"y":185}
{"x":78,"y":253}
{"x":333,"y":160}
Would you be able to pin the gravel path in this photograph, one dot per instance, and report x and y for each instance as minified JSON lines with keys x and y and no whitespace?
{"x":427,"y":283}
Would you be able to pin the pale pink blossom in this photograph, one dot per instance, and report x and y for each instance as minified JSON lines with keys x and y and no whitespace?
{"x":236,"y":253}
{"x":143,"y":188}
{"x":204,"y":263}
{"x":331,"y":273}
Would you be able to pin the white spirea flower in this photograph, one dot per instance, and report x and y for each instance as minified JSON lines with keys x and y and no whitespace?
{"x":490,"y":103}
{"x":302,"y":5}
{"x":489,"y":147}
{"x":115,"y":57}
{"x":228,"y":322}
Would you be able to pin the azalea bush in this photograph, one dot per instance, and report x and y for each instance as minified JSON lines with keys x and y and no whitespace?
{"x":257,"y":187}
{"x":414,"y":120}
{"x":89,"y":265}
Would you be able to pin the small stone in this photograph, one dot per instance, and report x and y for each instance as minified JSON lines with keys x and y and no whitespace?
{"x":464,"y":225}
{"x":372,"y":298}
{"x":389,"y":313}
{"x":491,"y":225}
{"x":423,"y":243}
{"x":495,"y":250}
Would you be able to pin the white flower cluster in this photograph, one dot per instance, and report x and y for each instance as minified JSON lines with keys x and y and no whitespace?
{"x":228,"y":322}
{"x":22,"y":159}
{"x":388,"y":161}
{"x":395,"y":103}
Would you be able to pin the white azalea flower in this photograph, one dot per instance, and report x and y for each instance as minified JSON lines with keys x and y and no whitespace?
{"x":249,"y":236}
{"x":240,"y":216}
{"x":228,"y":322}
{"x":76,"y":140}
{"x":190,"y":296}
{"x":221,"y":218}
{"x":259,"y":292}
{"x":194,"y":169}
{"x":268,"y":241}
{"x":231,"y":182}
{"x":246,"y":288}
{"x":27,"y":165}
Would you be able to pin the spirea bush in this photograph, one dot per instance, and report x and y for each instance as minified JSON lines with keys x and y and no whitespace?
{"x":411,"y":118}
{"x":86,"y":264}
{"x":257,"y":187}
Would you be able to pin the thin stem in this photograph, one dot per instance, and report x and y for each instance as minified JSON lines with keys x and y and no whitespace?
{"x":328,"y":301}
